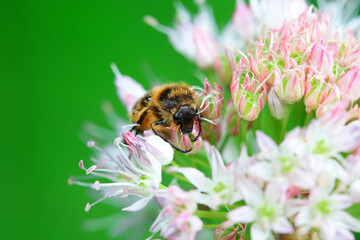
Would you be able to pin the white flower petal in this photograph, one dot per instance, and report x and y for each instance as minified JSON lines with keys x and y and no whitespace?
{"x":276,"y":190}
{"x":218,"y":169}
{"x":265,"y":143}
{"x":342,"y":233}
{"x":341,"y":201}
{"x":242,"y":214}
{"x":160,"y":149}
{"x":138,"y":205}
{"x":327,"y":230}
{"x":302,"y":179}
{"x":282,"y":225}
{"x":257,"y":233}
{"x":197,"y":178}
{"x":349,"y":221}
{"x":354,"y":190}
{"x":252,"y":193}
{"x":294,"y":205}
{"x":303,"y":217}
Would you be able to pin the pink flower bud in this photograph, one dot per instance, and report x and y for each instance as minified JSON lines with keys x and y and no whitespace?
{"x":290,"y":87}
{"x":265,"y":72}
{"x":276,"y":106}
{"x":355,"y":112}
{"x":247,"y":93}
{"x":352,"y":56}
{"x":206,"y":47}
{"x":320,"y":59}
{"x":331,"y":102}
{"x":315,"y":92}
{"x":210,"y":101}
{"x":226,"y":226}
{"x":130,"y":140}
{"x":349,"y":83}
{"x":184,"y":142}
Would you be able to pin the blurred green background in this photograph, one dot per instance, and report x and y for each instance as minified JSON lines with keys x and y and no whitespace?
{"x":55,"y":74}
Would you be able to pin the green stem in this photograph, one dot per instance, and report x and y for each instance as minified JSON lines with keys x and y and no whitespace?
{"x":211,"y":215}
{"x":210,"y":225}
{"x":180,"y":177}
{"x":180,"y":160}
{"x":309,"y":117}
{"x":223,"y":144}
{"x":243,"y":130}
{"x":200,"y":162}
{"x":177,"y":175}
{"x":288,"y":108}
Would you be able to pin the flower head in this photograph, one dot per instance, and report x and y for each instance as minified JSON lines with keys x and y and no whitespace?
{"x":184,"y":142}
{"x":176,"y":220}
{"x":149,"y":146}
{"x":324,"y":211}
{"x":196,"y":38}
{"x":218,"y":190}
{"x":210,"y":100}
{"x":276,"y":106}
{"x":141,"y":177}
{"x":349,"y":83}
{"x":290,"y":87}
{"x":265,"y":208}
{"x":247,"y":92}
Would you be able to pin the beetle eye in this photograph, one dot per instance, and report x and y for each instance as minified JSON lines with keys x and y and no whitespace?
{"x":177,"y":116}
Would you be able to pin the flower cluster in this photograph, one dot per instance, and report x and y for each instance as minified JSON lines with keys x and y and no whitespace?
{"x":302,"y":184}
{"x":133,"y":168}
{"x":200,"y":40}
{"x":304,"y":59}
{"x":279,"y":152}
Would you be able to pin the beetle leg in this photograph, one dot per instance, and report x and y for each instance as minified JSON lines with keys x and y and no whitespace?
{"x":158,"y":133}
{"x":200,"y":129}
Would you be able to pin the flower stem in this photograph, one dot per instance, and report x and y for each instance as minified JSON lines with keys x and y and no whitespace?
{"x":223,"y":144}
{"x":180,"y":160}
{"x":288,"y":108}
{"x":211,"y":215}
{"x":200,"y":161}
{"x":211,"y":226}
{"x":177,"y":175}
{"x":180,"y":177}
{"x":243,"y":130}
{"x":309,"y":117}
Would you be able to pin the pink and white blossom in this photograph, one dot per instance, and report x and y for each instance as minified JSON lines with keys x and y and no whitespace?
{"x":247,"y":92}
{"x":140,"y":177}
{"x":177,"y":221}
{"x":195,"y":38}
{"x":210,"y":100}
{"x":324,"y":211}
{"x":276,"y":106}
{"x":265,"y":209}
{"x":184,"y":142}
{"x":220,"y":189}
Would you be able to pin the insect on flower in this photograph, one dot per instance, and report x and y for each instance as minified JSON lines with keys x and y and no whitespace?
{"x":164,"y":108}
